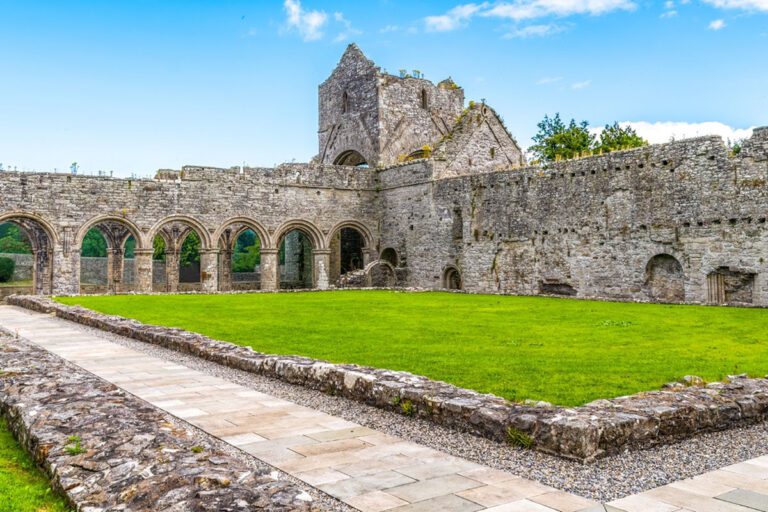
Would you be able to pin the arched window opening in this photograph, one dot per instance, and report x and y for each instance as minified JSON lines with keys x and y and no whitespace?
{"x":129,"y":264}
{"x":423,"y":99}
{"x":159,"y":277}
{"x":452,"y":279}
{"x":295,"y":260}
{"x":351,"y":158}
{"x":246,"y":261}
{"x":664,"y":279}
{"x":390,"y":256}
{"x":189,"y":262}
{"x":17,"y":261}
{"x":346,"y":254}
{"x":94,"y":263}
{"x":344,"y":103}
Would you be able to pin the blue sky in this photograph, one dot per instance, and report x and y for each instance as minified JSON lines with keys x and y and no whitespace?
{"x":131,"y":87}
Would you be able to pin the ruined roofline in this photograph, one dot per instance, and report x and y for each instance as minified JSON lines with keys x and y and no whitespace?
{"x":566,"y":165}
{"x":354,"y":51}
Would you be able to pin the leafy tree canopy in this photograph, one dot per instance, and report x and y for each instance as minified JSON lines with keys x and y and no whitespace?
{"x":615,"y":138}
{"x":557,"y":141}
{"x":94,"y":245}
{"x":13,"y":240}
{"x":190,"y":250}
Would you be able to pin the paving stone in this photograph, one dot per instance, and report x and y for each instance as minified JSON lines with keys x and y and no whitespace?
{"x":434,"y":487}
{"x":751,"y":499}
{"x":563,"y":502}
{"x":376,"y":501}
{"x":447,"y":503}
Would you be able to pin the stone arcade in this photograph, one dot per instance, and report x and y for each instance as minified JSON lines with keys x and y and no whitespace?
{"x":412,"y":188}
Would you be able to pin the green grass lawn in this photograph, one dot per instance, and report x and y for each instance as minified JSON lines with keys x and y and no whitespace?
{"x":564,"y":351}
{"x":23,"y":487}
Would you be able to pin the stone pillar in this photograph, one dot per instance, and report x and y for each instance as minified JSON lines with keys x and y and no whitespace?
{"x":142,"y":274}
{"x":321,"y":261}
{"x":269,"y":270}
{"x":114,"y":270}
{"x":368,"y":256}
{"x":171,"y":271}
{"x":334,"y":267}
{"x":209,"y":270}
{"x":225,"y":270}
{"x":66,"y":275}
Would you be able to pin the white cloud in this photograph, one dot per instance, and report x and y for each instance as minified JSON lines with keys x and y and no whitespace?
{"x":454,"y":18}
{"x":717,"y":25}
{"x":746,"y":5}
{"x":661,"y":132}
{"x":669,"y":14}
{"x":348,"y":30}
{"x":522,"y":10}
{"x":531,"y":9}
{"x":389,"y":28}
{"x":308,"y":23}
{"x":549,"y":80}
{"x":534,"y":31}
{"x":581,"y":85}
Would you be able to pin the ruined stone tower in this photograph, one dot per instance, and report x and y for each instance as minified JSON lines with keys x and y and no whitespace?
{"x":370,"y":117}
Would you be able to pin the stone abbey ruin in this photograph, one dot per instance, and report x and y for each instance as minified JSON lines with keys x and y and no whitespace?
{"x":411,"y":187}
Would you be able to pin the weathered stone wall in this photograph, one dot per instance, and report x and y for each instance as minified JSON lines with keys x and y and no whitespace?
{"x":24,"y":263}
{"x":382,"y":117}
{"x":134,"y":456}
{"x":591,"y":227}
{"x":59,"y":209}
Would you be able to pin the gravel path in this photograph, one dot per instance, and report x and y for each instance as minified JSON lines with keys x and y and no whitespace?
{"x":605,"y":480}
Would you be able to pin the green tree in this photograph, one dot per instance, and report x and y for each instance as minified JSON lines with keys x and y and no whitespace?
{"x":13,"y":240}
{"x":556,"y":141}
{"x":158,"y":248}
{"x":614,"y":138}
{"x":247,"y":253}
{"x":130,"y":247}
{"x":190,"y":250}
{"x":94,"y":244}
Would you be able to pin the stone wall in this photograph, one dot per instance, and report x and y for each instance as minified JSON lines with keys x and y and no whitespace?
{"x":583,"y":433}
{"x":678,"y":222}
{"x":24,"y":264}
{"x":592,"y":227}
{"x":134,"y":456}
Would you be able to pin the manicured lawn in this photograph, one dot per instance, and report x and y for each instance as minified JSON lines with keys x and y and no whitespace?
{"x":564,"y":351}
{"x":23,"y":487}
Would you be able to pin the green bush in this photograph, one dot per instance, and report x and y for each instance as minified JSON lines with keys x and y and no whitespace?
{"x":7,"y":266}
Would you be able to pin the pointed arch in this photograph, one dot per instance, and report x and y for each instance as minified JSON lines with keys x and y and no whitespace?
{"x":244,"y":222}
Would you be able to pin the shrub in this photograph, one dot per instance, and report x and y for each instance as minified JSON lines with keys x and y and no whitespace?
{"x":7,"y":266}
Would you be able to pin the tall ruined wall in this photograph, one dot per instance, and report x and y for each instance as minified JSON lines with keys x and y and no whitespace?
{"x":348,"y":105}
{"x":415,"y":112}
{"x":592,"y":227}
{"x":60,"y":208}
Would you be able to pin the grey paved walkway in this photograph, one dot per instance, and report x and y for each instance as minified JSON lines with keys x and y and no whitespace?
{"x":367,"y":469}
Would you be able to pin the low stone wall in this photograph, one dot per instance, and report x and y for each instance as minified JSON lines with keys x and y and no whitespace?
{"x":583,"y":433}
{"x":133,"y":456}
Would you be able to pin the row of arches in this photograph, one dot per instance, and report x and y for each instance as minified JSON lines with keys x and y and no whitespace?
{"x":179,"y":253}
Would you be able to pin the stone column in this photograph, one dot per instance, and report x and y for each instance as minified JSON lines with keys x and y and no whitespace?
{"x":209,"y":270}
{"x":66,"y":275}
{"x":225,"y":270}
{"x":114,"y":270}
{"x":171,"y":271}
{"x":321,"y":261}
{"x":142,"y":275}
{"x":269,"y":270}
{"x":368,"y":256}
